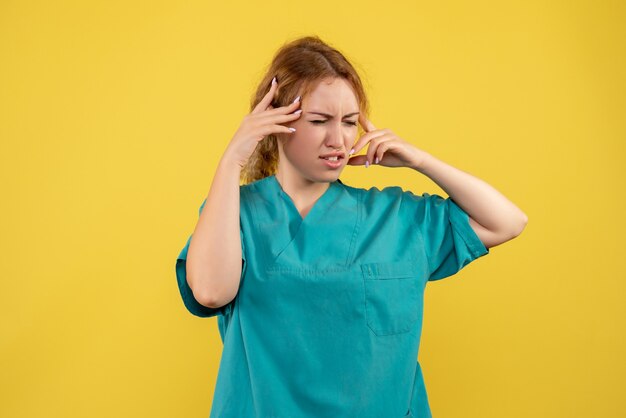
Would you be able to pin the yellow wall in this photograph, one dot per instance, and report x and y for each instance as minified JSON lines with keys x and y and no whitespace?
{"x":114,"y":116}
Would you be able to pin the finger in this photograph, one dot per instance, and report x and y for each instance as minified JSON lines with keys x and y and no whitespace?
{"x":281,"y":118}
{"x":276,"y":129}
{"x":283,"y":109}
{"x":362,"y":141}
{"x":373,"y":148}
{"x":358,"y":160}
{"x":381,"y":156}
{"x":267,"y":99}
{"x":380,"y":152}
{"x":374,"y":156}
{"x":366,"y":124}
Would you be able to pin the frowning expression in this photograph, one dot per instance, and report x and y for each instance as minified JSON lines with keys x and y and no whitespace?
{"x":328,"y":125}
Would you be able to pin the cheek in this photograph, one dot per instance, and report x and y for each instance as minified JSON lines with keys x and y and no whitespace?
{"x":309,"y":128}
{"x":309,"y":136}
{"x":301,"y":145}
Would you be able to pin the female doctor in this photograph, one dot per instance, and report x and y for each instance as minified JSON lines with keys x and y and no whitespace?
{"x":323,"y":316}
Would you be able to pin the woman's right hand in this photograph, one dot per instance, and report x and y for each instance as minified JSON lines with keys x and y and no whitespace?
{"x":262,"y":121}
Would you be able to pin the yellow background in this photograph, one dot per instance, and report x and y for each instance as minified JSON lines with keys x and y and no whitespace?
{"x":114,"y":116}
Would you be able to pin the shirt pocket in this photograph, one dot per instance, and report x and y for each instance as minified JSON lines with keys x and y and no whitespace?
{"x":393,"y":292}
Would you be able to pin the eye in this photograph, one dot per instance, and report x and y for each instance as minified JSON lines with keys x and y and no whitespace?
{"x":322,"y":121}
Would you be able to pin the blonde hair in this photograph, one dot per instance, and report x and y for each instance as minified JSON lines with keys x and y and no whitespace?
{"x":298,"y":66}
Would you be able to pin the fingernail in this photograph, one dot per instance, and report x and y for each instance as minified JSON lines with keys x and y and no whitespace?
{"x":273,"y":80}
{"x":367,"y":164}
{"x":351,"y":151}
{"x":292,"y":129}
{"x":297,"y":112}
{"x":376,"y":160}
{"x":297,"y":99}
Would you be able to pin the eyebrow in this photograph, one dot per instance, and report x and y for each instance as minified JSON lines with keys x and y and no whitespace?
{"x":331,"y":116}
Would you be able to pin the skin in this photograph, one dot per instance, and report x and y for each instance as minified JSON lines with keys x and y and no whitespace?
{"x":304,"y":177}
{"x":301,"y":173}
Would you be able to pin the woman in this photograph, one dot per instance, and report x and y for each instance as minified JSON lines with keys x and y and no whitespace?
{"x":323,"y":317}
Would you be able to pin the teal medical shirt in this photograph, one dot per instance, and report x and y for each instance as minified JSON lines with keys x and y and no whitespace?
{"x":328,"y":316}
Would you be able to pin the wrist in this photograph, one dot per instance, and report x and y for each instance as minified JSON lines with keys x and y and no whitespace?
{"x":231,"y":163}
{"x":422,"y":161}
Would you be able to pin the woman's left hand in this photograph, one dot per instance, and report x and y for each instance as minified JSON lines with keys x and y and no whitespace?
{"x":385,"y":148}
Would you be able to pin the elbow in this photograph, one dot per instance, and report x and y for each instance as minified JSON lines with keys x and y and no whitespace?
{"x":211,"y":292}
{"x":205,"y":298}
{"x":521,"y":225}
{"x":213,"y":300}
{"x":201,"y":294}
{"x":524,"y":218}
{"x":211,"y":297}
{"x":513,"y":230}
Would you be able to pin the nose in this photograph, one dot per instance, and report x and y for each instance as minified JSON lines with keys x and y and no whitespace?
{"x":335,"y":137}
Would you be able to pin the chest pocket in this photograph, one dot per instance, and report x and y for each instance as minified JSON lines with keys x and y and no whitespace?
{"x":393,"y":296}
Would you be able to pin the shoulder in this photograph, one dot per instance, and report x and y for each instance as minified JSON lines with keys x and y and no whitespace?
{"x":256,"y":195}
{"x":255,"y":188}
{"x":375,"y":198}
{"x":374,"y":193}
{"x":381,"y":198}
{"x":247,"y":192}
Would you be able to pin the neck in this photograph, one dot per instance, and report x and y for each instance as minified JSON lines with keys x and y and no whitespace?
{"x":302,"y":192}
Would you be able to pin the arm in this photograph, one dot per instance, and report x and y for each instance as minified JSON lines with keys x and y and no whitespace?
{"x":493,"y":217}
{"x":214,"y":258}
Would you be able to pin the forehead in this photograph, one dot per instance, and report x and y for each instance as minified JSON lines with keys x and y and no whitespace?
{"x":332,"y":95}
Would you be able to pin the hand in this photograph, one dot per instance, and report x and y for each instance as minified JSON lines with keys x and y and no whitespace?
{"x":386,"y":148}
{"x":262,"y":121}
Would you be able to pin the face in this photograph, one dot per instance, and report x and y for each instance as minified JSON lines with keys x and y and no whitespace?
{"x":335,"y":130}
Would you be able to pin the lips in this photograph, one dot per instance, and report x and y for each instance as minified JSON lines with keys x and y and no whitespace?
{"x":339,"y":155}
{"x":333,"y":164}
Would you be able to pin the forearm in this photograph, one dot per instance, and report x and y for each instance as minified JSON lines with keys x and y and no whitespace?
{"x":214,"y":255}
{"x":481,"y":201}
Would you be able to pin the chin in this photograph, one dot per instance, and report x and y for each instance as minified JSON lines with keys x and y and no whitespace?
{"x":324,"y":177}
{"x":333,"y":175}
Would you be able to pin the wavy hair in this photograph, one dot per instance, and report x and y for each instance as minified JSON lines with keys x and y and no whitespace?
{"x":298,"y":66}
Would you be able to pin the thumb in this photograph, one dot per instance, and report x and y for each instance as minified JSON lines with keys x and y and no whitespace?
{"x":357,"y":160}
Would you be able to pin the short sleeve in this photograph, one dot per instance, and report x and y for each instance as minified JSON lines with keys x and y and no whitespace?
{"x":189,"y":300}
{"x":449,"y":241}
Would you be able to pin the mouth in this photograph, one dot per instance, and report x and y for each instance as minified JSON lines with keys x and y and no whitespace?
{"x":334,"y":156}
{"x":333,"y":162}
